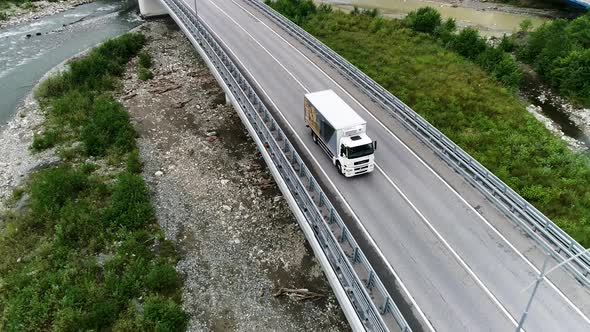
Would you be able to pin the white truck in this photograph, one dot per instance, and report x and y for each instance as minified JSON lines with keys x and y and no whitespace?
{"x":340,"y":132}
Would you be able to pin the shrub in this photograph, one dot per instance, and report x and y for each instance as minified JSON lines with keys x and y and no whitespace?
{"x":134,"y":162}
{"x":145,"y":60}
{"x":163,"y":315}
{"x":144,"y":74}
{"x":297,"y":11}
{"x":54,"y":187}
{"x":468,"y":43}
{"x":130,"y":203}
{"x":107,"y":128}
{"x":425,"y":19}
{"x":3,"y":16}
{"x":46,"y":140}
{"x":163,"y":278}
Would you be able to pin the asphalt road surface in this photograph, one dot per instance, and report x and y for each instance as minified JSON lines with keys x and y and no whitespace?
{"x":461,"y":264}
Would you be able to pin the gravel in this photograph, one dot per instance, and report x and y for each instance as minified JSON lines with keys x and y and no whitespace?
{"x":215,"y":198}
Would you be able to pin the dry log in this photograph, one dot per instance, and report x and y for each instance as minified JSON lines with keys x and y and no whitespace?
{"x":298,"y":294}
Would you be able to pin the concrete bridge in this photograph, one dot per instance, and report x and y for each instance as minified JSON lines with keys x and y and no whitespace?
{"x":431,"y":241}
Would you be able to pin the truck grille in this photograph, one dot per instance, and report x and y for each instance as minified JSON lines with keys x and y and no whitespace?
{"x":361,"y":162}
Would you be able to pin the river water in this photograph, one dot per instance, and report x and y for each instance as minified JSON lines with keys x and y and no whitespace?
{"x":53,"y":39}
{"x":482,"y":16}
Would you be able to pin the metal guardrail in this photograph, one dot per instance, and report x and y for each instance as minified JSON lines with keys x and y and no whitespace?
{"x":547,"y":234}
{"x":369,"y":297}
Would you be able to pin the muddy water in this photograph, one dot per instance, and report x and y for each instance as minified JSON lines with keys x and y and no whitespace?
{"x":469,"y":13}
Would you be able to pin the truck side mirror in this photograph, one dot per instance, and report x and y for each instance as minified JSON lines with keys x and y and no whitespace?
{"x":342,"y":150}
{"x":374,"y":145}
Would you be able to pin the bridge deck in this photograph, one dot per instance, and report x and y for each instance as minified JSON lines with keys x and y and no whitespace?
{"x":460,"y":259}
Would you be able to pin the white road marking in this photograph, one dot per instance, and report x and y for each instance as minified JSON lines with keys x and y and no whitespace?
{"x":494,"y":229}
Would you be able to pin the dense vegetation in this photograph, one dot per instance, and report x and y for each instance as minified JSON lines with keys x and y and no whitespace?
{"x":87,"y":253}
{"x":560,"y":52}
{"x":458,"y":97}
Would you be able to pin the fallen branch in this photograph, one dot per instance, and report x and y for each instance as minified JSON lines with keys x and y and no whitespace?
{"x":300,"y":294}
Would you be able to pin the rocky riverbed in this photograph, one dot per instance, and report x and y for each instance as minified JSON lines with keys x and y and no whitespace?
{"x":18,"y":15}
{"x":216,"y":199}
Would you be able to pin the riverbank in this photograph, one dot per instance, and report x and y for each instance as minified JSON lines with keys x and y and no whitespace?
{"x":18,"y":15}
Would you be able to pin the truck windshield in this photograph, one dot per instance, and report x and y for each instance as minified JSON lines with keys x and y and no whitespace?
{"x":360,"y":151}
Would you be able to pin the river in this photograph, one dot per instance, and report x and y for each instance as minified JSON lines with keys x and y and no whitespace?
{"x":29,"y":50}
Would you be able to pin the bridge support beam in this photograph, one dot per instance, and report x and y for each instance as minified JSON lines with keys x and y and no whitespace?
{"x":151,"y":8}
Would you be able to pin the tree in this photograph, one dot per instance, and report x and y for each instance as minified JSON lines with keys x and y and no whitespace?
{"x":425,"y":19}
{"x":468,"y":43}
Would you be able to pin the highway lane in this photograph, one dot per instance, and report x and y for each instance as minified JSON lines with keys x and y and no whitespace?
{"x":442,"y":250}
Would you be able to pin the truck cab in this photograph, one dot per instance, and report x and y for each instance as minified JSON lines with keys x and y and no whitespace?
{"x":357,"y":155}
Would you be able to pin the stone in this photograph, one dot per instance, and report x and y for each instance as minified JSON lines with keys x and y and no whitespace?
{"x":226,"y":207}
{"x":159,"y":173}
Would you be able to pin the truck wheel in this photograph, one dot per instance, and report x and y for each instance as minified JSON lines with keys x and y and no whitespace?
{"x":339,"y":168}
{"x":314,"y":137}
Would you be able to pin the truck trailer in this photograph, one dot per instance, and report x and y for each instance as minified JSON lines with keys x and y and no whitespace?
{"x":340,"y":132}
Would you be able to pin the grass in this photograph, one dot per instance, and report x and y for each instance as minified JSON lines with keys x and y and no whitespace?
{"x":145,"y":63}
{"x":88,"y":254}
{"x":474,"y":110}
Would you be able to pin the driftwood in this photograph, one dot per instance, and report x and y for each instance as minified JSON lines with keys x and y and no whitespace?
{"x":165,"y":89}
{"x":298,"y":294}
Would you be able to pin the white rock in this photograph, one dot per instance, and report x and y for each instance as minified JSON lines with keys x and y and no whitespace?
{"x":224,"y":182}
{"x":226,"y":207}
{"x":159,"y":173}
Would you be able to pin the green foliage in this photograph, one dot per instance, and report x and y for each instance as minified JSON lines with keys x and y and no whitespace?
{"x":163,"y":278}
{"x":425,"y":19}
{"x":108,"y":128}
{"x":163,"y":315}
{"x":558,"y":50}
{"x":297,"y":11}
{"x":53,"y":188}
{"x":144,"y":74}
{"x":468,"y":43}
{"x":3,"y":16}
{"x":46,"y":140}
{"x":506,"y":44}
{"x":145,"y":60}
{"x":478,"y":113}
{"x":130,"y":206}
{"x":97,"y":70}
{"x":87,"y":249}
{"x":134,"y":162}
{"x":525,"y":25}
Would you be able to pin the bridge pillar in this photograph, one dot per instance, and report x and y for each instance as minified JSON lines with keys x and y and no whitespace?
{"x":150,"y":8}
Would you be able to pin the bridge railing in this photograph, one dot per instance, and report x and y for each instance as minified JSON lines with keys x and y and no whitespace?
{"x":372,"y":302}
{"x":546,"y":233}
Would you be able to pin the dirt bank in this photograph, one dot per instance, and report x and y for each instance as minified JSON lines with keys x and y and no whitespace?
{"x":215,"y":198}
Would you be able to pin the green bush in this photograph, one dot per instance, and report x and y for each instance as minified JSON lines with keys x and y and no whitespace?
{"x":130,"y":203}
{"x":297,"y":11}
{"x":163,"y":315}
{"x":3,"y":16}
{"x":108,"y":128}
{"x":163,"y":278}
{"x":54,"y":187}
{"x":45,"y":140}
{"x":559,"y":52}
{"x":145,"y":60}
{"x":145,"y":74}
{"x":425,"y":19}
{"x":468,"y":43}
{"x":134,"y":162}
